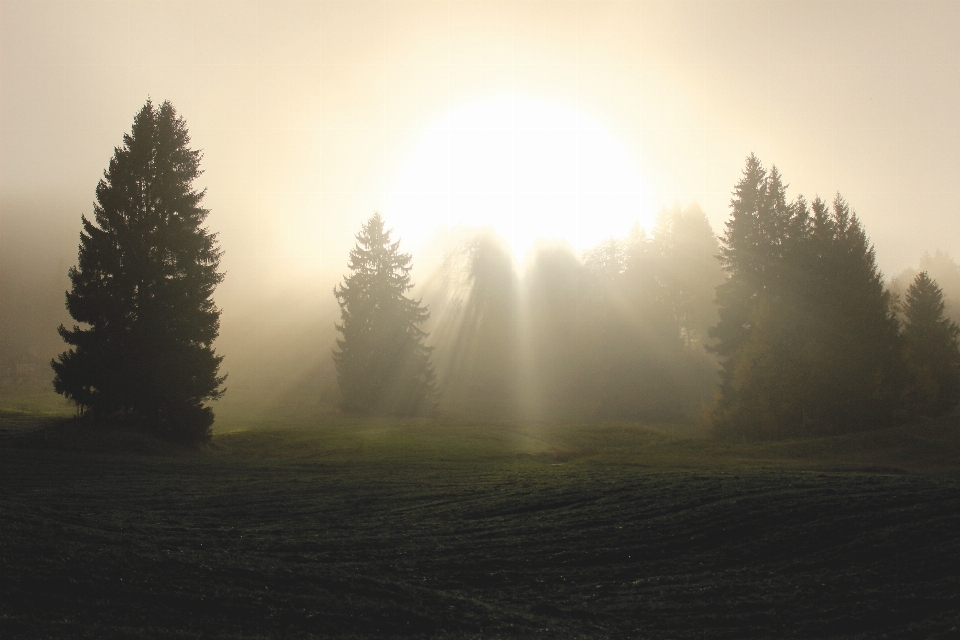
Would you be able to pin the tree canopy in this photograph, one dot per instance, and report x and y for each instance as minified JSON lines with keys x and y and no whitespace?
{"x":143,"y":286}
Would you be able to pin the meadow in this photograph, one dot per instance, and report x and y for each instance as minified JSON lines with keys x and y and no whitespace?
{"x":312,"y":524}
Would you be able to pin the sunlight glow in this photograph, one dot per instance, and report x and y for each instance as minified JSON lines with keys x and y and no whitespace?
{"x":528,"y":168}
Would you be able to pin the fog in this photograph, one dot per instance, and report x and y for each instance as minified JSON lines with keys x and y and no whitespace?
{"x":307,"y":113}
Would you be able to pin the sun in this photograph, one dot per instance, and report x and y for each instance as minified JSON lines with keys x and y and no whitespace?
{"x":530,"y":169}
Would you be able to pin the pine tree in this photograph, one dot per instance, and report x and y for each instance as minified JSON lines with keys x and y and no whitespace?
{"x":143,"y":284}
{"x":932,"y":352}
{"x":382,"y":363}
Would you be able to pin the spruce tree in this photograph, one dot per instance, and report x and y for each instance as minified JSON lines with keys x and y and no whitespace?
{"x":476,"y":334}
{"x":852,"y":335}
{"x":807,"y":338}
{"x":932,"y":352}
{"x":749,"y":337}
{"x":382,"y":363}
{"x":750,"y":255}
{"x":143,"y":286}
{"x":686,"y":262}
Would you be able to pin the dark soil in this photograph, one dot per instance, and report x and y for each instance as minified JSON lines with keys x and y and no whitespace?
{"x":120,"y":545}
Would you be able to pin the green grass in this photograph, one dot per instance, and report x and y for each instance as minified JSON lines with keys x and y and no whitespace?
{"x":323,"y":525}
{"x":33,"y":400}
{"x":931,"y":446}
{"x":275,"y":425}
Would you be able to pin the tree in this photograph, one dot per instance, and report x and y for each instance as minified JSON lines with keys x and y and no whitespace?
{"x":749,"y":256}
{"x":382,"y":363}
{"x":852,"y":350}
{"x":143,"y":284}
{"x":604,"y":337}
{"x":807,"y":336}
{"x":940,"y":267}
{"x":686,"y":261}
{"x":749,"y":339}
{"x":474,"y":302}
{"x":932,"y":352}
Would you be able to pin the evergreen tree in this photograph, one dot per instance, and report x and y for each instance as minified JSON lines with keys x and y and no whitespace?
{"x":932,"y":352}
{"x":852,"y":345}
{"x":749,"y":254}
{"x":807,"y":337}
{"x":940,"y":267}
{"x":143,"y":284}
{"x":559,"y":331}
{"x":688,"y":270}
{"x":615,"y":345}
{"x":474,"y":302}
{"x":382,"y":363}
{"x":607,"y":260}
{"x":750,"y":303}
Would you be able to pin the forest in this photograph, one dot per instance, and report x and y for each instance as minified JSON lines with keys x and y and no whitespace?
{"x":782,"y":326}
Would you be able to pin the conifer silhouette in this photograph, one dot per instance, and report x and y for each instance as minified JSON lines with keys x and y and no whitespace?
{"x":382,"y":363}
{"x":807,"y":337}
{"x":932,"y":351}
{"x":143,"y":285}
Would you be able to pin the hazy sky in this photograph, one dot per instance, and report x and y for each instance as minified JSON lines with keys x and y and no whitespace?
{"x":308,"y":112}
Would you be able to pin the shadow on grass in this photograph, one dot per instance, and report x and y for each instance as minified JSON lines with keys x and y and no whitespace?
{"x":929,"y":446}
{"x":24,"y":430}
{"x":331,"y":436}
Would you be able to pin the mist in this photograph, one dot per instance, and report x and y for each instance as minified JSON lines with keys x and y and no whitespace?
{"x":618,"y":332}
{"x":446,"y":318}
{"x":307,"y":114}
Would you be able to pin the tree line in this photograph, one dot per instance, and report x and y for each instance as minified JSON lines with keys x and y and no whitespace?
{"x":788,"y":309}
{"x":809,"y":339}
{"x":614,"y":334}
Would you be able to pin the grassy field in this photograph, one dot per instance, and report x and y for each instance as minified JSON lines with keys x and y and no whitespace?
{"x":353,"y":528}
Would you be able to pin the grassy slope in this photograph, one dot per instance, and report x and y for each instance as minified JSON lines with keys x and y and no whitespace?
{"x":380,"y":528}
{"x":33,"y":401}
{"x":932,"y":446}
{"x":307,"y":431}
